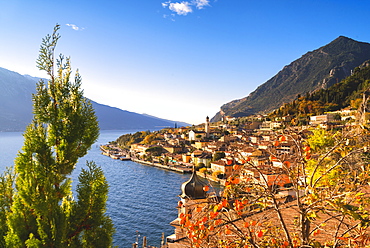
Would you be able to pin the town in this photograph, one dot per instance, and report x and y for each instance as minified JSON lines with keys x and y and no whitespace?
{"x":216,"y":149}
{"x":270,"y":180}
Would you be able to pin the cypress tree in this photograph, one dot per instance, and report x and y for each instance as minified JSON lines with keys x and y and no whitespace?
{"x":43,"y":212}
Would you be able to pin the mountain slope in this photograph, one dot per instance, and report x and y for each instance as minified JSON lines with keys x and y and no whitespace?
{"x":348,"y":92}
{"x":16,"y":108}
{"x":15,"y":100}
{"x":315,"y":70}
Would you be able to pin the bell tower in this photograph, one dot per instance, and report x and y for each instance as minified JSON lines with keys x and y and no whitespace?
{"x":206,"y":127}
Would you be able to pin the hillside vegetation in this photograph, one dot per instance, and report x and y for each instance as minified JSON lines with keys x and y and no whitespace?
{"x":346,"y":93}
{"x":315,"y":70}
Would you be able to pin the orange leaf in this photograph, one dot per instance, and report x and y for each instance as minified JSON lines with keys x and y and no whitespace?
{"x":342,"y":238}
{"x":276,"y":143}
{"x":218,"y":222}
{"x":287,"y":164}
{"x":206,"y":188}
{"x":227,"y":231}
{"x":246,"y":224}
{"x":236,"y":181}
{"x":282,"y":138}
{"x":236,"y":166}
{"x":260,"y":234}
{"x":182,"y":221}
{"x":254,"y":223}
{"x":213,"y":215}
{"x":219,"y":207}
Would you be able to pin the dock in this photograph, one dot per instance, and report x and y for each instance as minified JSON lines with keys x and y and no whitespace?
{"x":176,"y":168}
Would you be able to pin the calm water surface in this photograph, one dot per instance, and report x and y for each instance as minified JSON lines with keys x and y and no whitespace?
{"x":141,"y":198}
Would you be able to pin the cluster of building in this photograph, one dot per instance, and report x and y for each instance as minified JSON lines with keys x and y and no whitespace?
{"x":219,"y":147}
{"x":238,"y":146}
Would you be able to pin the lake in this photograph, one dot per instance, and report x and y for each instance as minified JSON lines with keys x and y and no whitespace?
{"x":142,"y":199}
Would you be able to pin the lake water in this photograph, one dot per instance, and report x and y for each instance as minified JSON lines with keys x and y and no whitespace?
{"x":141,"y":198}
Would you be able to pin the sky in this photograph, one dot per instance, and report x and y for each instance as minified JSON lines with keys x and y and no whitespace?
{"x":177,"y":60}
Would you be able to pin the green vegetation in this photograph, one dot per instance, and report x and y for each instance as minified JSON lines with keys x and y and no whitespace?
{"x":346,"y":93}
{"x":200,"y":166}
{"x":155,"y":150}
{"x":218,"y":155}
{"x":142,"y":137}
{"x":128,"y":139}
{"x":40,"y":211}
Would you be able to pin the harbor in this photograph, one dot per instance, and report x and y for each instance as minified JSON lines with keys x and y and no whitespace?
{"x":119,"y":154}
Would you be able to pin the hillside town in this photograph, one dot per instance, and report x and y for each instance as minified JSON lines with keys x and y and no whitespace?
{"x":215,"y":149}
{"x":217,"y":152}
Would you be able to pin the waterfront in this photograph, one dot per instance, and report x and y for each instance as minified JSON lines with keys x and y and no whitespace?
{"x":141,"y":198}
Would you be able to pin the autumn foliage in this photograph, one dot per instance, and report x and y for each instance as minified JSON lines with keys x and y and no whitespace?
{"x":325,"y":205}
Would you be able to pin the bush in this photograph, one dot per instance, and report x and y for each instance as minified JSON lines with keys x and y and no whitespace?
{"x":203,"y":170}
{"x":200,"y":166}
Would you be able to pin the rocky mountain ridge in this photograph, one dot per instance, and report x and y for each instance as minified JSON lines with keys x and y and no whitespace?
{"x":315,"y":70}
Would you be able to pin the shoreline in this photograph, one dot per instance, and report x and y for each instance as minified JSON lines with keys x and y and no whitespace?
{"x":124,"y":157}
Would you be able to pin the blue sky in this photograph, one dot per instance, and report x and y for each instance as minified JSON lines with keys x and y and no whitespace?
{"x":179,"y":60}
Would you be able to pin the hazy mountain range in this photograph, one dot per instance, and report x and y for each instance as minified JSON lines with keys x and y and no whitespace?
{"x":16,"y":108}
{"x":315,"y":70}
{"x":318,"y":69}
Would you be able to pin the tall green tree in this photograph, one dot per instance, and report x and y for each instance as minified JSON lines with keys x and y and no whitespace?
{"x":6,"y":199}
{"x":44,"y":212}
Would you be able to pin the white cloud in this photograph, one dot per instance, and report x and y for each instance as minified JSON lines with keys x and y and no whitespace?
{"x":74,"y":27}
{"x":165,"y":4}
{"x":171,"y":17}
{"x":185,"y":7}
{"x":200,"y":3}
{"x":182,"y":8}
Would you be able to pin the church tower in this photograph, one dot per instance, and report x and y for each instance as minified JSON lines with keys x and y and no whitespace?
{"x":207,"y":127}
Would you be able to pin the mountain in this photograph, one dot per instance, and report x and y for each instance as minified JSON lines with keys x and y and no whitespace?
{"x":315,"y":70}
{"x":347,"y":93}
{"x":16,"y":108}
